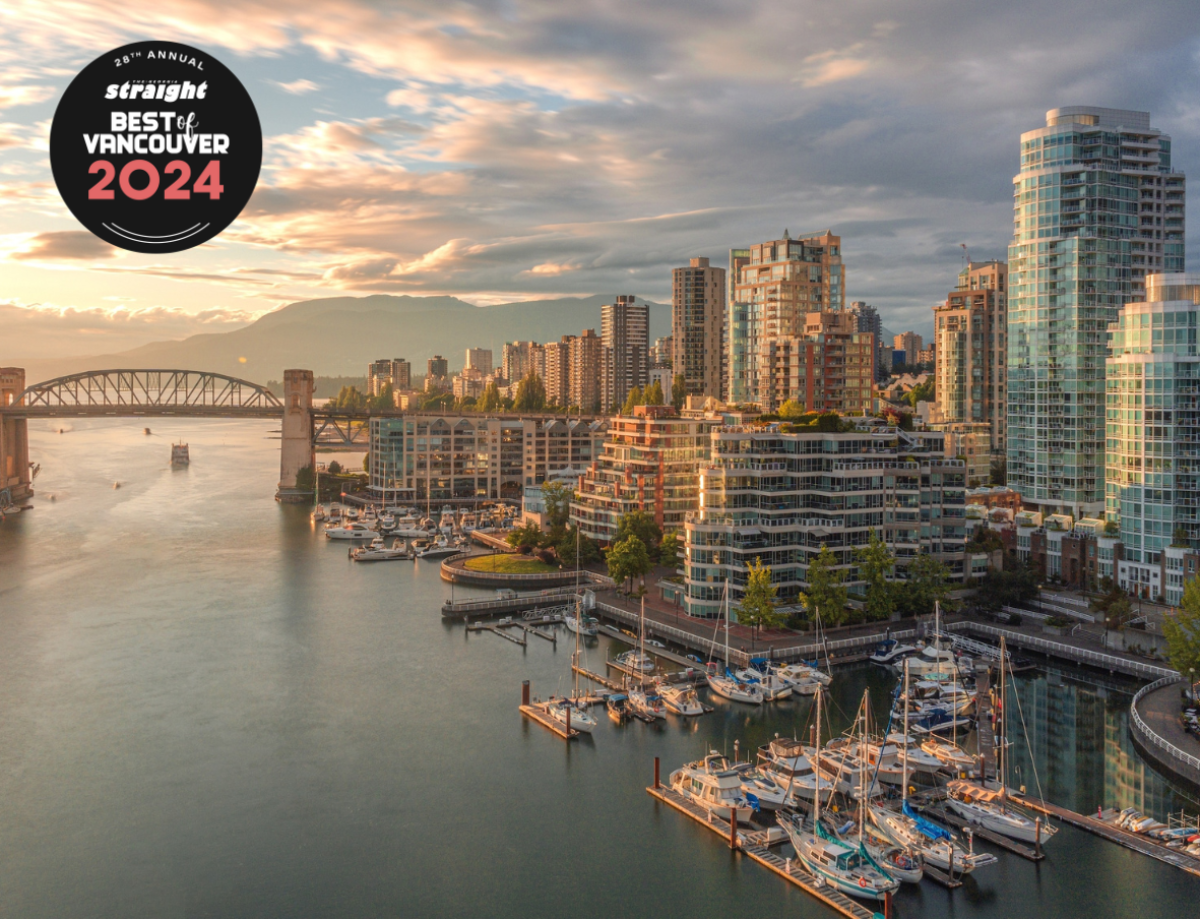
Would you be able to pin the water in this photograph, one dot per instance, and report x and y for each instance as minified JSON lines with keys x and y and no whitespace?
{"x":206,"y":709}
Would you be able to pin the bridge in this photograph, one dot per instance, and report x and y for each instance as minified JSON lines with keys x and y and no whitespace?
{"x":180,"y":393}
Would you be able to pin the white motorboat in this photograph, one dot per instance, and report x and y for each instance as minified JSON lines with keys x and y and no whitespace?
{"x":774,"y":688}
{"x":884,"y":759}
{"x":760,"y":789}
{"x":991,"y":809}
{"x":905,"y":865}
{"x":839,"y":763}
{"x":789,"y":763}
{"x":582,"y":625}
{"x":681,"y":699}
{"x":446,"y":522}
{"x":440,"y":549}
{"x":377,"y":551}
{"x":646,"y":703}
{"x":891,"y":652}
{"x":319,"y":514}
{"x":387,"y":521}
{"x":835,"y":863}
{"x":939,"y":721}
{"x":349,"y":530}
{"x":637,"y":661}
{"x":950,"y":755}
{"x":802,"y":676}
{"x":926,"y":695}
{"x":719,"y":793}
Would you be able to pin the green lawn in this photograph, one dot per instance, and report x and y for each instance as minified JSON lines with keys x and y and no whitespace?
{"x":509,"y":564}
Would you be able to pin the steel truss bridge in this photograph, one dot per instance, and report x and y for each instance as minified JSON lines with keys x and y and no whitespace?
{"x":147,"y":392}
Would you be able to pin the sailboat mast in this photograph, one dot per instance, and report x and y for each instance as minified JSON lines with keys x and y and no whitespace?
{"x":817,"y":765}
{"x":727,"y":625}
{"x":642,"y":643}
{"x":862,"y":769}
{"x":904,"y":767}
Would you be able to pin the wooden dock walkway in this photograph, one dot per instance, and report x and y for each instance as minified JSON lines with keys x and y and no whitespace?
{"x":985,"y":732}
{"x":598,"y":679}
{"x":499,"y":630}
{"x":753,"y":844}
{"x":540,"y":633}
{"x":536,"y":714}
{"x":1115,"y":834}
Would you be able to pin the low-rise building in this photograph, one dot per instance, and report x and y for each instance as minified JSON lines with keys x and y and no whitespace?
{"x":648,"y":463}
{"x":780,"y":497}
{"x":423,"y":457}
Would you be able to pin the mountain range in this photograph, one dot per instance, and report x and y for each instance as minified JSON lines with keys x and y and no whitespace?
{"x":341,"y":335}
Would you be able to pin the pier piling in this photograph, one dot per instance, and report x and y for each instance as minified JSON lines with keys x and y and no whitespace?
{"x":656,"y":782}
{"x":525,"y":692}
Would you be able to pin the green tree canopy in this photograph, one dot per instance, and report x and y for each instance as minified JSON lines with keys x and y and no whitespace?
{"x":556,"y":496}
{"x":642,"y":525}
{"x":791,"y":410}
{"x":758,"y":600}
{"x":529,"y":536}
{"x":922,"y":392}
{"x":826,"y":588}
{"x":668,"y":549}
{"x":654,"y":394}
{"x":928,"y":583}
{"x":349,"y":399}
{"x":633,"y":399}
{"x":531,"y":394}
{"x":627,"y":560}
{"x":679,"y":391}
{"x":1182,"y":630}
{"x":490,"y":400}
{"x":565,"y":547}
{"x":875,"y":562}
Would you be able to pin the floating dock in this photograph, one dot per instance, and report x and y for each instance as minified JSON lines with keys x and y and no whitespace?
{"x":754,"y":845}
{"x":1115,"y":834}
{"x":943,"y":815}
{"x":534,"y":713}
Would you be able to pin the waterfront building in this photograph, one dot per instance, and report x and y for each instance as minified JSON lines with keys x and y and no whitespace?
{"x":779,"y":497}
{"x":1098,"y":205}
{"x":830,"y":367}
{"x":625,"y":334}
{"x":778,"y":284}
{"x":425,"y":457}
{"x":397,"y":372}
{"x":970,"y":331}
{"x":587,"y":372}
{"x":648,"y":463}
{"x":1153,"y":428}
{"x":556,"y":357}
{"x":698,"y":327}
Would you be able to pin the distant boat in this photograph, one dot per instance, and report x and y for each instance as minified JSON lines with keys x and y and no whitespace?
{"x":146,"y":431}
{"x":179,"y":453}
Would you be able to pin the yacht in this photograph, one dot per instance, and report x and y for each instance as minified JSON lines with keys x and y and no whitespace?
{"x":926,"y":695}
{"x":950,"y":755}
{"x":885,"y":760}
{"x":991,"y":809}
{"x":760,"y":789}
{"x":839,"y":866}
{"x":567,"y":711}
{"x":802,"y":675}
{"x":583,"y":625}
{"x":377,"y":551}
{"x":618,"y":707}
{"x":637,"y":661}
{"x":940,"y":721}
{"x":719,"y":793}
{"x":318,"y":513}
{"x":469,"y":523}
{"x":646,"y":703}
{"x":387,"y":521}
{"x":446,"y":523}
{"x":839,"y":763}
{"x":349,"y":530}
{"x":891,"y":652}
{"x":681,"y":699}
{"x":774,"y":688}
{"x":936,"y":845}
{"x":789,"y":763}
{"x":440,"y":549}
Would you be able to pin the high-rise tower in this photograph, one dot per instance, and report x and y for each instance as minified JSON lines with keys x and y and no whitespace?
{"x":1097,"y":206}
{"x":698,"y":327}
{"x":625,"y":333}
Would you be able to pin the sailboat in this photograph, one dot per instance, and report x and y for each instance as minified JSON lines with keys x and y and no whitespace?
{"x":579,"y":623}
{"x":645,"y":700}
{"x":936,"y":845}
{"x":838,"y":865}
{"x":989,"y":807}
{"x":727,"y":685}
{"x":774,"y":688}
{"x":572,"y":712}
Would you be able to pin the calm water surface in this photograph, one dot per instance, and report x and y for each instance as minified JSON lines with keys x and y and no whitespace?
{"x":208,"y":710}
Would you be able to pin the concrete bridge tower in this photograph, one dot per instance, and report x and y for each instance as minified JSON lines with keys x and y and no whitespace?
{"x":16,"y":483}
{"x":296,"y":446}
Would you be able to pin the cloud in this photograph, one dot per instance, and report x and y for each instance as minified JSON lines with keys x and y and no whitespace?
{"x":11,"y":96}
{"x":297,"y":87}
{"x":65,"y":245}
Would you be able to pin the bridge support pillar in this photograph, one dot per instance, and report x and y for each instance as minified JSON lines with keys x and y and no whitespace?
{"x":296,"y":451}
{"x":16,"y":481}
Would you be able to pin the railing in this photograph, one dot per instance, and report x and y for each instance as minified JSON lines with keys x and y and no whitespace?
{"x":1071,"y":652}
{"x":1138,"y":726}
{"x":467,"y":606}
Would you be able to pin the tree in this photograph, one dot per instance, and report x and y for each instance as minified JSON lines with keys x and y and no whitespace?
{"x":1182,"y":629}
{"x":654,"y":394}
{"x":679,"y":391}
{"x":531,"y":394}
{"x":928,"y":582}
{"x":628,"y":559}
{"x":826,"y":588}
{"x":557,"y":496}
{"x":334,"y":468}
{"x":922,"y":392}
{"x":758,"y":600}
{"x":367,"y":463}
{"x":305,"y":479}
{"x":526,"y":537}
{"x":642,"y":525}
{"x":490,"y":400}
{"x":385,"y":401}
{"x":565,"y":547}
{"x":668,"y":549}
{"x":998,"y":473}
{"x":349,"y":399}
{"x":633,"y":399}
{"x":1114,"y":605}
{"x":791,"y":410}
{"x":875,"y":562}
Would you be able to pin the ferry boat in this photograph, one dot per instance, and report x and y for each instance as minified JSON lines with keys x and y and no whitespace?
{"x":179,"y":454}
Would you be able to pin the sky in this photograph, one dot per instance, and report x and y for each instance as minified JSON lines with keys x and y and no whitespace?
{"x":513,"y":150}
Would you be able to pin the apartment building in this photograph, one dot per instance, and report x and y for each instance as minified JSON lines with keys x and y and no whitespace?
{"x":479,"y":359}
{"x":648,"y":462}
{"x":397,"y":372}
{"x":779,"y":497}
{"x":556,"y":357}
{"x":698,"y":327}
{"x":521,"y":358}
{"x":587,"y":379}
{"x":422,"y":457}
{"x":830,"y":367}
{"x":625,"y":335}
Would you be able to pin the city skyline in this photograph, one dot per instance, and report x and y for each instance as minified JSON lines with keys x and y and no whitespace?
{"x":416,"y":139}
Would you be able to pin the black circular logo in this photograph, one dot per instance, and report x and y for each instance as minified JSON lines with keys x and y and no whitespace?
{"x":156,"y":147}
